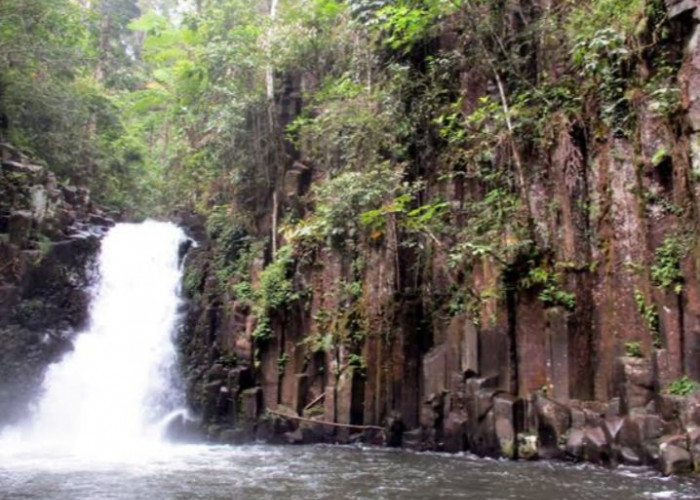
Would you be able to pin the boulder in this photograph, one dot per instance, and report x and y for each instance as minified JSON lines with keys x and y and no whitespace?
{"x":19,"y":227}
{"x":454,"y":438}
{"x":631,"y":438}
{"x":637,"y":382}
{"x":676,"y":8}
{"x":252,"y":403}
{"x":612,"y":427}
{"x":504,"y":427}
{"x":678,"y":440}
{"x":574,"y":444}
{"x":414,"y":439}
{"x":233,"y":436}
{"x":294,"y":437}
{"x":505,"y":433}
{"x":675,"y":460}
{"x":553,"y":421}
{"x":628,"y":456}
{"x":528,"y":446}
{"x":596,"y":447}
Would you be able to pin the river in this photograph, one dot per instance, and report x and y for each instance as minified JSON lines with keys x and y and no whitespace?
{"x":181,"y":472}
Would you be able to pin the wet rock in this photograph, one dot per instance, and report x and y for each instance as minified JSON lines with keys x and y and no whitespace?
{"x":184,"y":430}
{"x":596,"y":447}
{"x":454,"y":438}
{"x":395,"y":431}
{"x":183,"y":249}
{"x":414,"y":439}
{"x":528,"y":446}
{"x":505,"y":433}
{"x":233,"y":436}
{"x":252,"y":403}
{"x":503,"y":406}
{"x":294,"y":437}
{"x":614,"y":408}
{"x":677,"y":8}
{"x":679,"y":441}
{"x":45,"y":303}
{"x":553,"y":420}
{"x":638,"y":382}
{"x":631,"y":437}
{"x":668,"y":406}
{"x":675,"y":460}
{"x":578,"y":418}
{"x":652,"y":427}
{"x":628,"y":456}
{"x":612,"y":427}
{"x":100,"y":220}
{"x":574,"y":444}
{"x":216,"y":373}
{"x":482,"y":436}
{"x":689,"y":413}
{"x":19,"y":227}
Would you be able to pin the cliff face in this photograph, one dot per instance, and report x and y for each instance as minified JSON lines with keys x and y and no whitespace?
{"x":564,"y":344}
{"x":49,"y":237}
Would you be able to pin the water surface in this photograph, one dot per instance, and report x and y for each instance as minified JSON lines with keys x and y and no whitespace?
{"x":316,"y":473}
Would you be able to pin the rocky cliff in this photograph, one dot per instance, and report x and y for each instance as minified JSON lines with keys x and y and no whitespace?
{"x":571,"y":330}
{"x":49,"y":237}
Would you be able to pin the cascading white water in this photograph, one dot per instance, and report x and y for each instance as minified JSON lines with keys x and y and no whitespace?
{"x":117,"y":384}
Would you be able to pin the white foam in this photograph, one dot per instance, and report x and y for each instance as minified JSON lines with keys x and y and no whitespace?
{"x":107,"y":397}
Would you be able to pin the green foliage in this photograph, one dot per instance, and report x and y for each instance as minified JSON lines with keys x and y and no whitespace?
{"x":232,"y":245}
{"x":650,"y":316}
{"x":276,"y":288}
{"x":666,"y":269}
{"x":282,"y":362}
{"x":551,"y":293}
{"x":405,"y":24}
{"x":683,"y":386}
{"x":244,"y":292}
{"x":192,"y":281}
{"x":600,"y":59}
{"x":633,"y":349}
{"x":424,"y":220}
{"x":591,"y":16}
{"x":350,"y":126}
{"x":665,"y":98}
{"x":263,"y":330}
{"x":340,"y":205}
{"x":341,"y":331}
{"x":659,"y":156}
{"x":495,"y":229}
{"x":61,"y":67}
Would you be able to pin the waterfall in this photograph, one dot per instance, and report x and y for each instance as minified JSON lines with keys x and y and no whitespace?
{"x":120,"y":382}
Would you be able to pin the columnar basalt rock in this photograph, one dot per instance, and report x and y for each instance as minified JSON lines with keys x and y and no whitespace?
{"x":512,"y":375}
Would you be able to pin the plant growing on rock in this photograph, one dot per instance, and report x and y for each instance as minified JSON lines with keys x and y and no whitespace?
{"x":683,"y":386}
{"x":633,"y":349}
{"x":551,"y":293}
{"x":650,"y":316}
{"x":666,"y":269}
